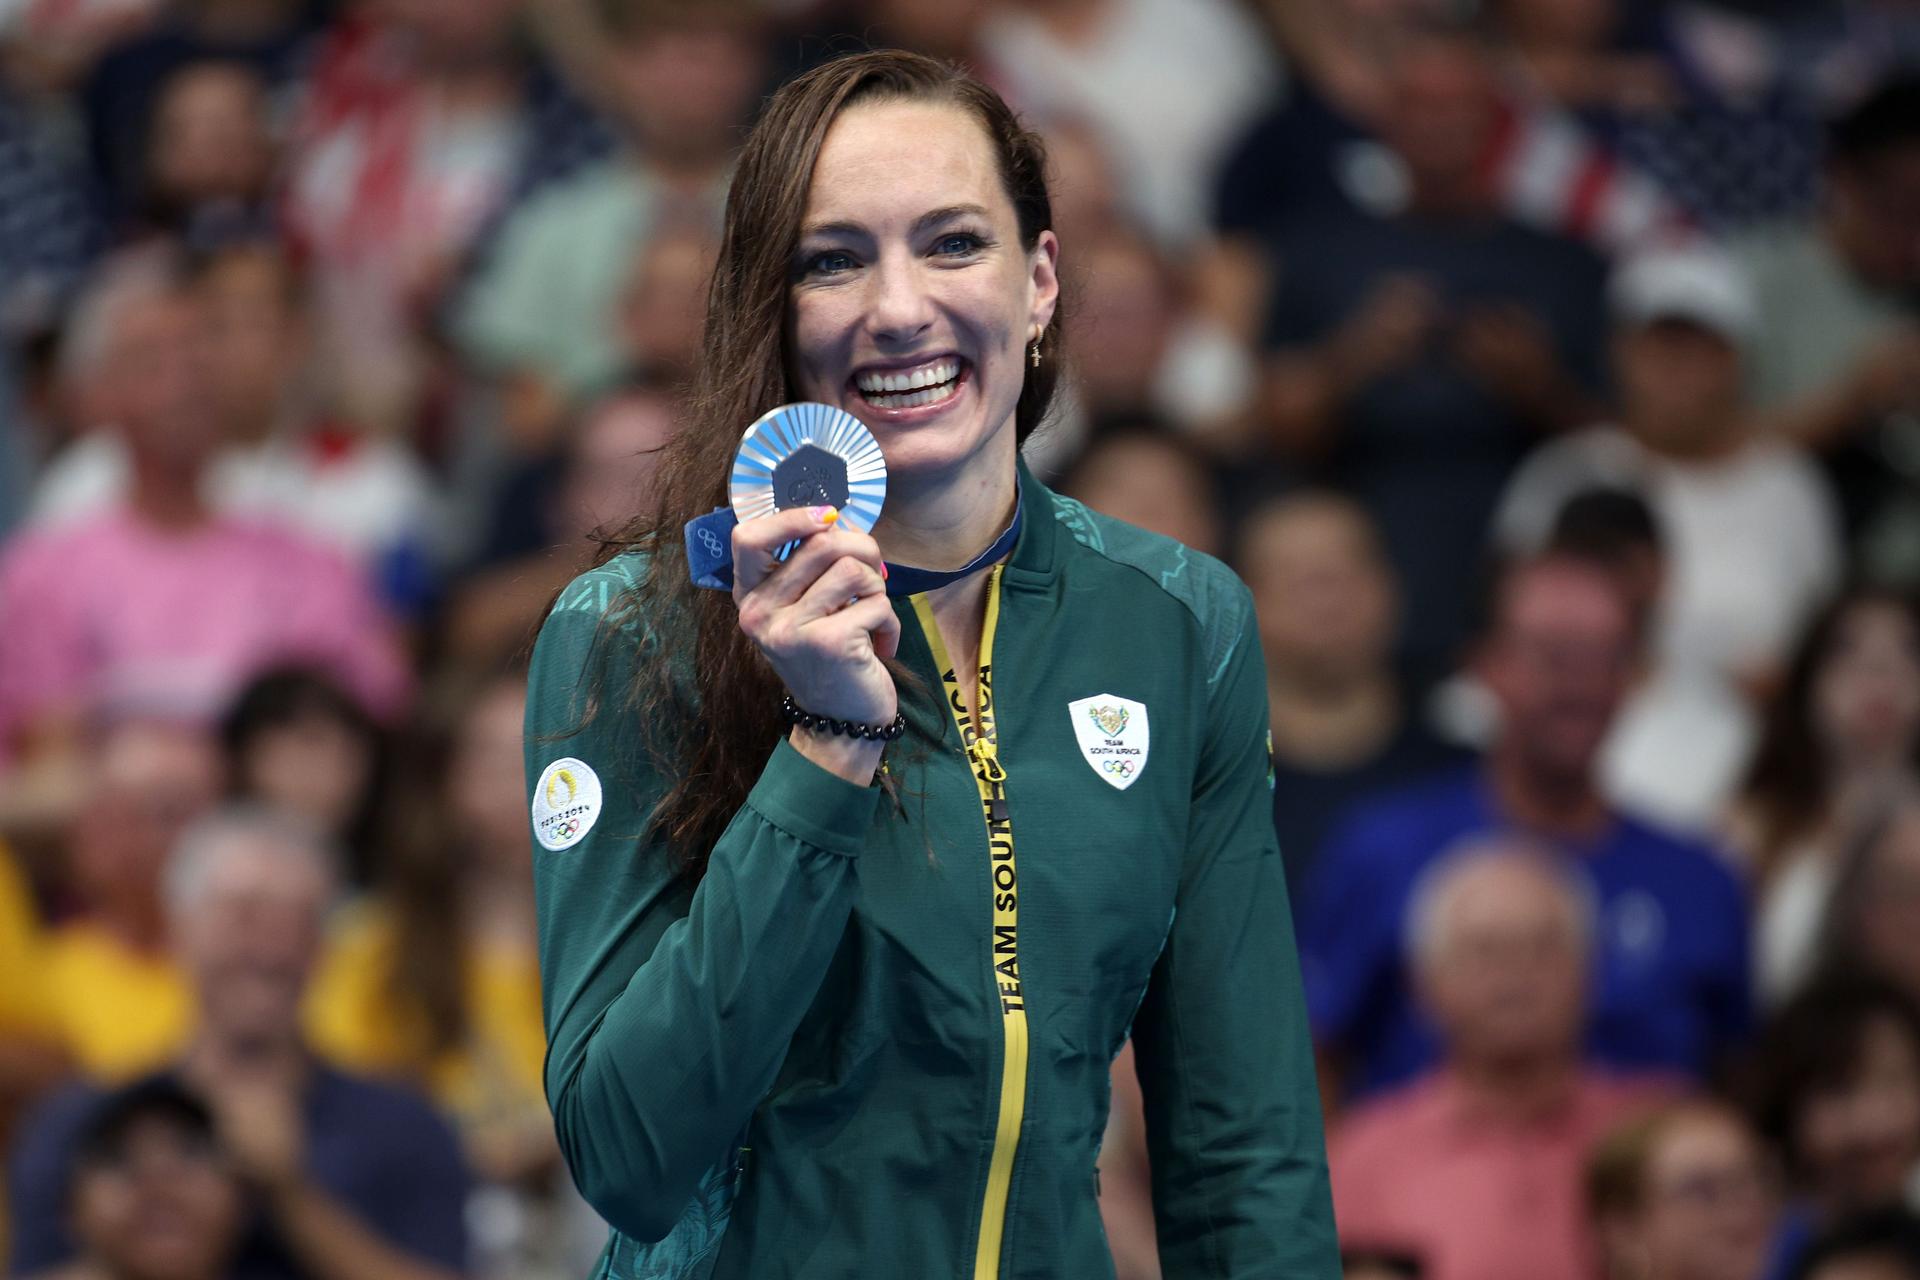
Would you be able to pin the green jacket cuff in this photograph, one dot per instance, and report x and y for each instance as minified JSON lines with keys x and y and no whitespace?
{"x":813,"y":805}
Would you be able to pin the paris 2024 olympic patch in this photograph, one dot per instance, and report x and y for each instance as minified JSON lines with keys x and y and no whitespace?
{"x":566,"y":803}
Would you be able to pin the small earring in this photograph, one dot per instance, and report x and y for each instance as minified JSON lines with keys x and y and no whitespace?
{"x":1033,"y":354}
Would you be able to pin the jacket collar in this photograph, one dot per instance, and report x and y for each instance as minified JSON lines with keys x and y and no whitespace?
{"x":1031,"y":567}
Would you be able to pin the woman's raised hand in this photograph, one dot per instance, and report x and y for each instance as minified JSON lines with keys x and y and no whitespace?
{"x":822,"y":616}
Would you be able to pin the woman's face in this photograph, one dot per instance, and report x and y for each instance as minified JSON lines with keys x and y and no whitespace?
{"x":1709,"y":1202}
{"x":912,"y":301}
{"x":316,"y":766}
{"x":1861,"y":1140}
{"x":1867,"y":694}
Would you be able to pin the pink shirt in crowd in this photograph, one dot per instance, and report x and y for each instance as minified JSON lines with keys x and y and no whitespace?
{"x":1431,"y":1171}
{"x":113,"y":610}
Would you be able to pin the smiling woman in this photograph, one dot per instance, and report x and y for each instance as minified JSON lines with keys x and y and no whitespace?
{"x":807,"y":1009}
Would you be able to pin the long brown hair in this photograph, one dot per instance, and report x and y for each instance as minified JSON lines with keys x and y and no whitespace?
{"x":709,"y":708}
{"x":1787,"y":787}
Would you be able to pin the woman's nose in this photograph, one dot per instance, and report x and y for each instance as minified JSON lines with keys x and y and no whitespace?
{"x":901,"y":308}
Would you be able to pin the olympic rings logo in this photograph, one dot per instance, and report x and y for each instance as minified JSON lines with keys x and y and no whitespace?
{"x":566,"y":830}
{"x":1118,"y":768}
{"x":710,"y":540}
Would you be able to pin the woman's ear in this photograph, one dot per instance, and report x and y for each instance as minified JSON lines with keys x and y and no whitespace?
{"x":1044,"y":275}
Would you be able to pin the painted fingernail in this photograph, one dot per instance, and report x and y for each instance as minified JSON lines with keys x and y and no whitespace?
{"x":825,"y":515}
{"x":883,"y":571}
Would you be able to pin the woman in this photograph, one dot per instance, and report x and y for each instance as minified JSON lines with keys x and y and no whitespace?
{"x":295,"y":740}
{"x":1842,"y":742}
{"x":1683,"y":1193}
{"x":802,"y":1023}
{"x":434,"y":977}
{"x":1836,"y":1090}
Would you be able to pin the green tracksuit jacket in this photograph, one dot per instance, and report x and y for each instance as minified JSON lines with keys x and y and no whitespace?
{"x":875,"y":1040}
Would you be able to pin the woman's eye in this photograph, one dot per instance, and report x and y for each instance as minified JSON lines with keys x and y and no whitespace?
{"x":830,"y":263}
{"x":959,"y":244}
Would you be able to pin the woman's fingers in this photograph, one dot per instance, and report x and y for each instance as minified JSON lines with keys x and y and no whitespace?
{"x":822,"y":616}
{"x":789,"y":581}
{"x":829,"y":593}
{"x":756,"y":540}
{"x":875,"y":615}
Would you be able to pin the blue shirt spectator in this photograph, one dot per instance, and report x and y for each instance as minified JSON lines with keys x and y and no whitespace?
{"x":1669,"y":981}
{"x":1669,"y":955}
{"x":381,"y":1151}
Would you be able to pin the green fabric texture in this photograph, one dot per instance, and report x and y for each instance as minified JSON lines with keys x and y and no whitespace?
{"x":809,"y":1046}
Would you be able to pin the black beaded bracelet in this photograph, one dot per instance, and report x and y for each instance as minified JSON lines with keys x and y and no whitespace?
{"x":845,"y":728}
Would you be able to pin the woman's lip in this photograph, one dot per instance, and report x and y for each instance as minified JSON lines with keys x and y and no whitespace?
{"x":868,"y":410}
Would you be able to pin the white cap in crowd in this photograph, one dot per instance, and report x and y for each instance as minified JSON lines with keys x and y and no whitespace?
{"x":1696,"y":283}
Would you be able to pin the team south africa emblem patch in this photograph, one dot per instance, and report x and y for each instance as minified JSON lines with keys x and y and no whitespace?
{"x":1112,"y":733}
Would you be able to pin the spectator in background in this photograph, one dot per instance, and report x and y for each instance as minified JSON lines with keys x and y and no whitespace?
{"x":211,"y":156}
{"x":1129,"y":67}
{"x":1836,"y":359}
{"x":1138,"y":345}
{"x":1876,"y":1246}
{"x":1684,"y":1193}
{"x":663,"y":309}
{"x":112,"y":984}
{"x":422,"y":125}
{"x":1329,"y":608}
{"x":294,"y":455}
{"x":1842,"y":742}
{"x":351,"y":1178}
{"x":1476,"y":1168}
{"x":295,"y":741}
{"x":283,"y":455}
{"x":435,"y":978}
{"x":119,"y":100}
{"x":1750,"y":531}
{"x":1669,"y":989}
{"x":1415,"y":357}
{"x":149,"y":1192}
{"x":682,"y":78}
{"x":1836,"y":1090}
{"x":547,"y":520}
{"x":1138,"y":471}
{"x":1687,"y":95}
{"x":158,"y":598}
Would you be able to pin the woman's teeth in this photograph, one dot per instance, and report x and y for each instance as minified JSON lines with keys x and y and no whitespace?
{"x":911,"y":388}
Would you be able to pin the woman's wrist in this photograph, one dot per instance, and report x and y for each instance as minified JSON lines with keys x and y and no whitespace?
{"x":855,"y":759}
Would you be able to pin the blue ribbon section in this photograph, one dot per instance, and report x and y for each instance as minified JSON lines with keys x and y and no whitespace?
{"x":710,"y":555}
{"x":906,"y":580}
{"x":710,"y":549}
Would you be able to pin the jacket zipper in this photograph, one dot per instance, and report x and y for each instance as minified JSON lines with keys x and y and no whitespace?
{"x":983,"y":754}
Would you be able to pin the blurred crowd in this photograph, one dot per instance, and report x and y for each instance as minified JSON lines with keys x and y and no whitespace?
{"x":1550,"y":370}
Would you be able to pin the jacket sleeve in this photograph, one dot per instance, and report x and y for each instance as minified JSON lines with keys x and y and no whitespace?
{"x":668,"y":1010}
{"x":1220,"y":1041}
